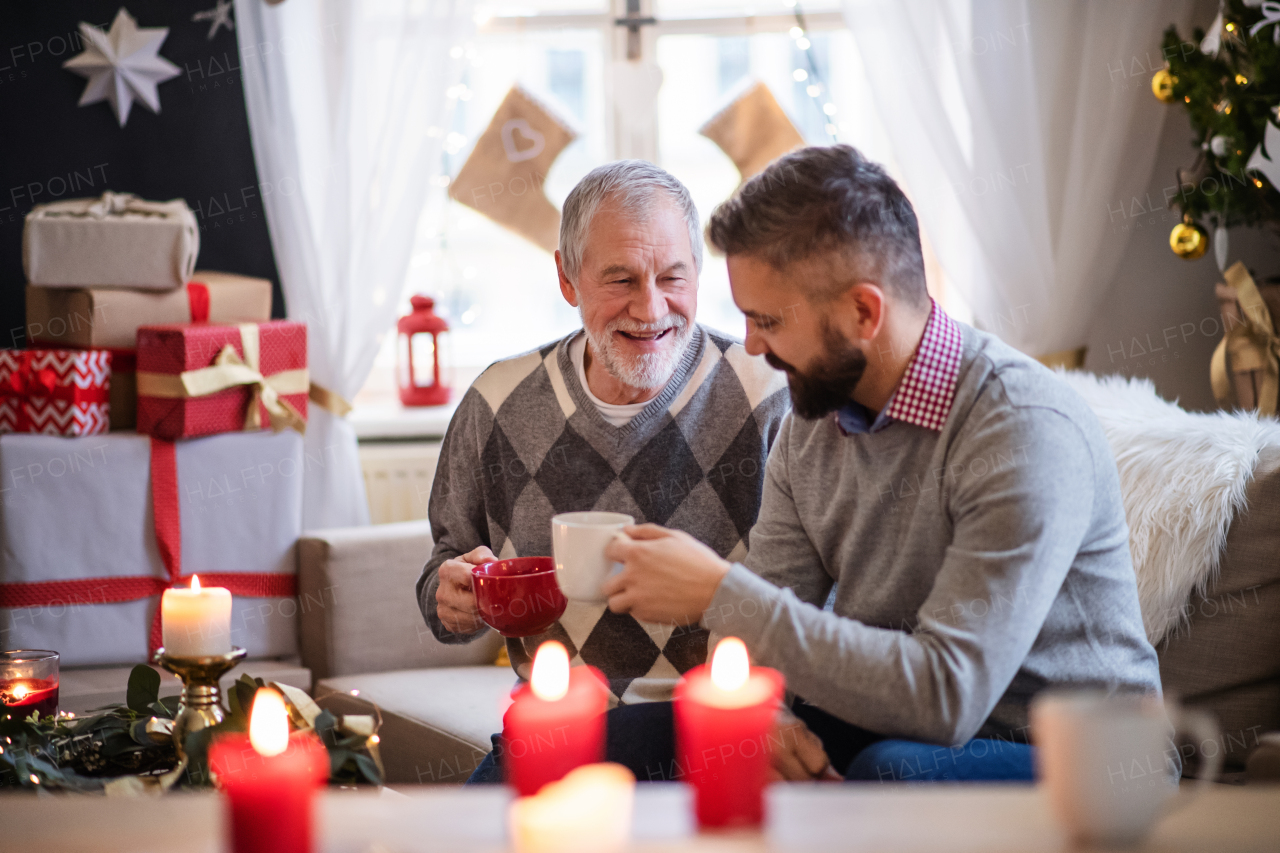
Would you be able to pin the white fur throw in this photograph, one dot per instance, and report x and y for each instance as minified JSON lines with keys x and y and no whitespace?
{"x":1183,"y":477}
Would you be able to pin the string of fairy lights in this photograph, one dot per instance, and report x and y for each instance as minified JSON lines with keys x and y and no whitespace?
{"x":816,"y":89}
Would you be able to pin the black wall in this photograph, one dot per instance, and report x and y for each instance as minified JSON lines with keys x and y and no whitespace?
{"x":196,"y":148}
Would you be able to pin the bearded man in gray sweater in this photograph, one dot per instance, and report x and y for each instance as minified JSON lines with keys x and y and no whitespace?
{"x":642,"y":411}
{"x":941,"y":535}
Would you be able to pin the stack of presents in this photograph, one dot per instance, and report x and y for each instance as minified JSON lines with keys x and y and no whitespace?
{"x":149,"y":430}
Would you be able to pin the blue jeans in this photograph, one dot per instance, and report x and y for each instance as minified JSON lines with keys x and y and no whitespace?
{"x":641,"y":737}
{"x":863,"y":756}
{"x":979,"y":760}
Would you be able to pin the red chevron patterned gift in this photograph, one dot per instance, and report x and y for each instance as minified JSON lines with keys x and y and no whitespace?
{"x":54,"y":391}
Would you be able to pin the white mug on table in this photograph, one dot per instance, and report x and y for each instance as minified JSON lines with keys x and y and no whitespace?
{"x":1109,"y":763}
{"x":578,"y":540}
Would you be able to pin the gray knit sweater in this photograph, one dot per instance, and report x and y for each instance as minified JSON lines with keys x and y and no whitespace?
{"x":973,"y":567}
{"x":527,"y":443}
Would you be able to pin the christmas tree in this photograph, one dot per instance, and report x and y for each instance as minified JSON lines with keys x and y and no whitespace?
{"x":1228,"y":79}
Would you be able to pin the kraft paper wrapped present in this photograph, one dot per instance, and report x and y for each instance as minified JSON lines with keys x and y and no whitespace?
{"x":54,"y":391}
{"x":108,"y":318}
{"x":1245,"y":368}
{"x":205,"y":379}
{"x":80,"y":538}
{"x":118,"y":240}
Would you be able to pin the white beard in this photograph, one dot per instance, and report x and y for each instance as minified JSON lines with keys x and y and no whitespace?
{"x":648,"y":371}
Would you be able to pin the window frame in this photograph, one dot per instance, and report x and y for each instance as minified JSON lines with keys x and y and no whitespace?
{"x":644,"y":146}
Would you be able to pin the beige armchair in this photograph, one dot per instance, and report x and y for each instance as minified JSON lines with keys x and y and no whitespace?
{"x":366,"y":643}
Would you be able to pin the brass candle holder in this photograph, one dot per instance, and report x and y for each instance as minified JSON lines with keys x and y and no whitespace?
{"x":201,"y":704}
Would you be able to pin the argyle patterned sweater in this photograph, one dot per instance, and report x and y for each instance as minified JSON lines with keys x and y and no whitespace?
{"x":526,"y":443}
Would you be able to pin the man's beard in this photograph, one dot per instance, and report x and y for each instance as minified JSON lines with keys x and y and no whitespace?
{"x":830,"y":382}
{"x":649,"y":370}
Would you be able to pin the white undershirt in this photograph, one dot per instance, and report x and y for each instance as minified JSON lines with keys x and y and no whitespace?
{"x":614,"y":414}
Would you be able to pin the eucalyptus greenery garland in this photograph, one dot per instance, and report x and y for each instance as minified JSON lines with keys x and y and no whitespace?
{"x":135,"y":740}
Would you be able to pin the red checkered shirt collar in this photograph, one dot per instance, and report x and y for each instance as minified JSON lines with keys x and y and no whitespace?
{"x":928,"y":388}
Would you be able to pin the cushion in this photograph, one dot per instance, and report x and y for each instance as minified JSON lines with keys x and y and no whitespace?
{"x":436,"y":723}
{"x":1226,"y":659}
{"x":357,"y":607}
{"x":1184,"y":476}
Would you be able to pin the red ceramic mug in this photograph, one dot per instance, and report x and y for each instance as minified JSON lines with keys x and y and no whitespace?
{"x":518,"y":597}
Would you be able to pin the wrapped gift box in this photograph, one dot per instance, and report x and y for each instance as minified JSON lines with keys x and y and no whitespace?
{"x":54,"y":391}
{"x":118,"y":240}
{"x":108,"y":318}
{"x":173,"y":358}
{"x":80,"y":510}
{"x":1245,"y":355}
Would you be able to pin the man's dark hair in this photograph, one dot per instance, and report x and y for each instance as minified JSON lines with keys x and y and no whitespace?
{"x":823,"y":199}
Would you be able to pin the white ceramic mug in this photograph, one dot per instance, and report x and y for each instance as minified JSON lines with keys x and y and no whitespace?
{"x":1108,"y":763}
{"x":578,"y":540}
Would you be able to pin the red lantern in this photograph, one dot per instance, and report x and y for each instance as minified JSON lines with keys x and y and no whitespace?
{"x":418,"y":355}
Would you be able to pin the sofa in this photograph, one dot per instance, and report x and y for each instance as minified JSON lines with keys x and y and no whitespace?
{"x":371,"y":652}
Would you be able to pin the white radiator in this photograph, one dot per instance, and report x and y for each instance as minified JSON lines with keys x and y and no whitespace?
{"x":397,"y":478}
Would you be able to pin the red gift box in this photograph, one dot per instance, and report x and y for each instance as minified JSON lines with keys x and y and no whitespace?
{"x":201,"y":379}
{"x":54,"y":391}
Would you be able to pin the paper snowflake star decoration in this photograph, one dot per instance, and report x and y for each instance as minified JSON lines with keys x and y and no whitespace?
{"x":122,"y":65}
{"x":218,"y":16}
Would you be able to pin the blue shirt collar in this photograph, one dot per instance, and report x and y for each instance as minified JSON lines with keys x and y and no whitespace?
{"x":855,"y":419}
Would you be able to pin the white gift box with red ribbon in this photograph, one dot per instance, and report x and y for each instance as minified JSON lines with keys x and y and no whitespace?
{"x":79,"y":535}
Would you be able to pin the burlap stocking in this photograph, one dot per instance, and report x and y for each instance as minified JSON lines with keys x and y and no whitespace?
{"x":504,"y":174}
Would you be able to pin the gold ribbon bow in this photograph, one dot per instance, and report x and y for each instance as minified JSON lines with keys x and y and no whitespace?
{"x":1250,"y":345}
{"x":229,"y":370}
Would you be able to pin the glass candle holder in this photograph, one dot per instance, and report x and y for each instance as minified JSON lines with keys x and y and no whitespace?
{"x":28,"y":682}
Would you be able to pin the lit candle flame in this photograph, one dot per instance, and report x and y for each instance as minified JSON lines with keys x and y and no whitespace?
{"x":730,"y":667}
{"x":550,"y":676}
{"x":268,"y":723}
{"x":195,"y":583}
{"x":20,"y":691}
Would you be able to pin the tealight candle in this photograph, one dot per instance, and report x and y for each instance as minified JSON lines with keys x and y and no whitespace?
{"x":556,"y":722}
{"x":196,"y":622}
{"x":270,"y":779}
{"x":588,"y":811}
{"x":28,"y":683}
{"x":724,"y":714}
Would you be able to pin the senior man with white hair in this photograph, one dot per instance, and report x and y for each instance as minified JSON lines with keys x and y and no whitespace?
{"x":642,"y":411}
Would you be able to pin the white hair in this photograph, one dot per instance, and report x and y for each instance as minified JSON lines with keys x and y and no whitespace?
{"x":632,"y":186}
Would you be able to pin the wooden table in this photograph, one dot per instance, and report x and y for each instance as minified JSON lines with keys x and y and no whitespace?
{"x":900,"y":818}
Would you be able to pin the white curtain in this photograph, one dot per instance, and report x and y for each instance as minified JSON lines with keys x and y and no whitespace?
{"x":347,"y":111}
{"x":1022,"y":129}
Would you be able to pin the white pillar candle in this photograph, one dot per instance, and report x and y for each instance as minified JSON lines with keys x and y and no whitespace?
{"x":588,"y":811}
{"x":196,"y":622}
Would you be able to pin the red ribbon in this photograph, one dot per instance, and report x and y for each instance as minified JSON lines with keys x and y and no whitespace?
{"x":168,"y":524}
{"x":26,"y":382}
{"x":123,"y":360}
{"x":198,"y":300}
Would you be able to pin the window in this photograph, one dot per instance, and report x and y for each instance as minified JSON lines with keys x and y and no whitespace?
{"x":499,"y":291}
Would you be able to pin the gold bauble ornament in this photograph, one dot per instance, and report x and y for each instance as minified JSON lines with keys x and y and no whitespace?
{"x":1162,"y":85}
{"x":1188,"y":240}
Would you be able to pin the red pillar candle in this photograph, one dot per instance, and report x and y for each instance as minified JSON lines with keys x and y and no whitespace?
{"x":556,"y":722}
{"x":270,"y":778}
{"x":724,"y":714}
